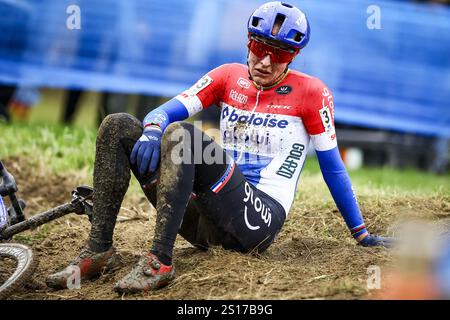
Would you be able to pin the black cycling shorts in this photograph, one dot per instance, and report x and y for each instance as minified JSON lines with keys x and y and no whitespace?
{"x":248,"y":218}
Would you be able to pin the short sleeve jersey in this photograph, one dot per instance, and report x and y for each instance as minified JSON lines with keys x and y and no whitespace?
{"x":267,"y":130}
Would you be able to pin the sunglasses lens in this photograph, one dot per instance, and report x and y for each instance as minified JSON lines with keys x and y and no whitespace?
{"x":261,"y":50}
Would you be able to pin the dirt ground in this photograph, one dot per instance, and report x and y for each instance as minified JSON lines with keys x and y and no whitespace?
{"x":314,"y":256}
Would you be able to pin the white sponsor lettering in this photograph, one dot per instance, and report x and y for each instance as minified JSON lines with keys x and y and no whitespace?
{"x":327,"y":97}
{"x":238,"y":97}
{"x":259,"y":207}
{"x":243,"y":83}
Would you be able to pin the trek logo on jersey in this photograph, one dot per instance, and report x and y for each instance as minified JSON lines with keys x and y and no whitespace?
{"x":268,"y":120}
{"x":284,"y":90}
{"x":270,"y":106}
{"x":290,"y":164}
{"x":243,"y":83}
{"x":238,"y":97}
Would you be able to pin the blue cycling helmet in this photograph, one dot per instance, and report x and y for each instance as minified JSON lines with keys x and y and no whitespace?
{"x":294,"y":29}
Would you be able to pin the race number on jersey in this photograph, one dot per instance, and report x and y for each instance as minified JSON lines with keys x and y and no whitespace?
{"x":325,"y":114}
{"x":200,"y":85}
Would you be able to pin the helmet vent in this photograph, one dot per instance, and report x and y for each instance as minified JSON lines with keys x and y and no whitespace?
{"x":298,"y":37}
{"x":255,"y":21}
{"x":286,"y":5}
{"x":279,"y":20}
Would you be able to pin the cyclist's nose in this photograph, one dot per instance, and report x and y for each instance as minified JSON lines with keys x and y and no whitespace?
{"x":266,"y":61}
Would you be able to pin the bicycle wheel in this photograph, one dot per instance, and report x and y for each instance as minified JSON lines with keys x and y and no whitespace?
{"x":22,"y":267}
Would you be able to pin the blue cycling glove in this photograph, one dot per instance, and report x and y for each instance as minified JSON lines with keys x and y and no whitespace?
{"x":146,"y":150}
{"x":374,"y":241}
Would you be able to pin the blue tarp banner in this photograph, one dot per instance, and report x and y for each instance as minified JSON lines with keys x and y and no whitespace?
{"x":394,"y":76}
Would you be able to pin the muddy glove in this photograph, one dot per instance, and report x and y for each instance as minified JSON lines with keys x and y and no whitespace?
{"x":374,"y":241}
{"x":147,"y":149}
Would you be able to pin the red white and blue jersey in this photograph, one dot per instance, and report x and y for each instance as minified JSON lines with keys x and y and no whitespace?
{"x":267,"y":130}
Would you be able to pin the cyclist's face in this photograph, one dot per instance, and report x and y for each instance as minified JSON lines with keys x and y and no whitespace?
{"x":266,"y":63}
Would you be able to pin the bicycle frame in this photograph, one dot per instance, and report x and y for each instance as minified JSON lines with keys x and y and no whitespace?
{"x":18,"y":223}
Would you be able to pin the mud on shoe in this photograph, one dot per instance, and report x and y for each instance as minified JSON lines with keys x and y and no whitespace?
{"x":90,"y":264}
{"x":148,"y":274}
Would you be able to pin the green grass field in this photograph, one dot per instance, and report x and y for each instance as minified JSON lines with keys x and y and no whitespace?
{"x":314,"y":256}
{"x":44,"y":140}
{"x":62,"y":148}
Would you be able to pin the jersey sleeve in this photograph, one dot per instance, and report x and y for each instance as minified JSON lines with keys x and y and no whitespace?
{"x":206,"y":91}
{"x":318,"y":116}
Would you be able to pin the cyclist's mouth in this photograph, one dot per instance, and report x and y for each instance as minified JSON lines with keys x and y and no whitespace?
{"x":261,"y":72}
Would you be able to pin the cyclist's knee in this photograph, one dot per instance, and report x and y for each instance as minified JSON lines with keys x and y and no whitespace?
{"x":120,"y":124}
{"x":176,"y":133}
{"x":120,"y":120}
{"x":177,"y":127}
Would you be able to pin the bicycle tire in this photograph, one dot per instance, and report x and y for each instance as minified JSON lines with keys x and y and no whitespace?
{"x":25,"y":267}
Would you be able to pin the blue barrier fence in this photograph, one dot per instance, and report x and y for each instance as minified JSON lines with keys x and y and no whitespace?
{"x":396,"y":77}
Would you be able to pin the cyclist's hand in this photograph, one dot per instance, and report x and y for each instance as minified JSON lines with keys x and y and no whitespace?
{"x":146,"y":150}
{"x":374,"y":241}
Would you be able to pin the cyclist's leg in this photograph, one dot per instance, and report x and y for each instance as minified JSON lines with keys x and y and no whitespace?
{"x":226,"y":208}
{"x":115,"y":140}
{"x":198,"y":229}
{"x":248,"y":219}
{"x":223,"y":194}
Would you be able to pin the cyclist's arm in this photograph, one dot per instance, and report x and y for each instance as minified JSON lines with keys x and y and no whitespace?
{"x":319,"y":122}
{"x":201,"y":95}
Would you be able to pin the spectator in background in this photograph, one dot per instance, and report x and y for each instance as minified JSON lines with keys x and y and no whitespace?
{"x":24,"y":99}
{"x":71,"y":102}
{"x":120,"y":102}
{"x":147,"y":103}
{"x":441,"y":155}
{"x":6,"y":93}
{"x":110,"y":102}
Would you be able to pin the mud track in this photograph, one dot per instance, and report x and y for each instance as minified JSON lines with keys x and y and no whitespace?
{"x":313,"y":258}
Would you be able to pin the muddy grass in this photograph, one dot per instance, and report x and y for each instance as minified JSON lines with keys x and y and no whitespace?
{"x":314,"y":256}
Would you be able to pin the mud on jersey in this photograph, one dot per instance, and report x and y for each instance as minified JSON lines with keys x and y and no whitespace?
{"x":267,"y":130}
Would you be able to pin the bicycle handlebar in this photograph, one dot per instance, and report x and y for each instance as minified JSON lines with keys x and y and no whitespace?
{"x":8,"y":185}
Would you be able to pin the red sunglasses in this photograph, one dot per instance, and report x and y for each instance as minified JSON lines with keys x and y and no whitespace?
{"x":277,"y":55}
